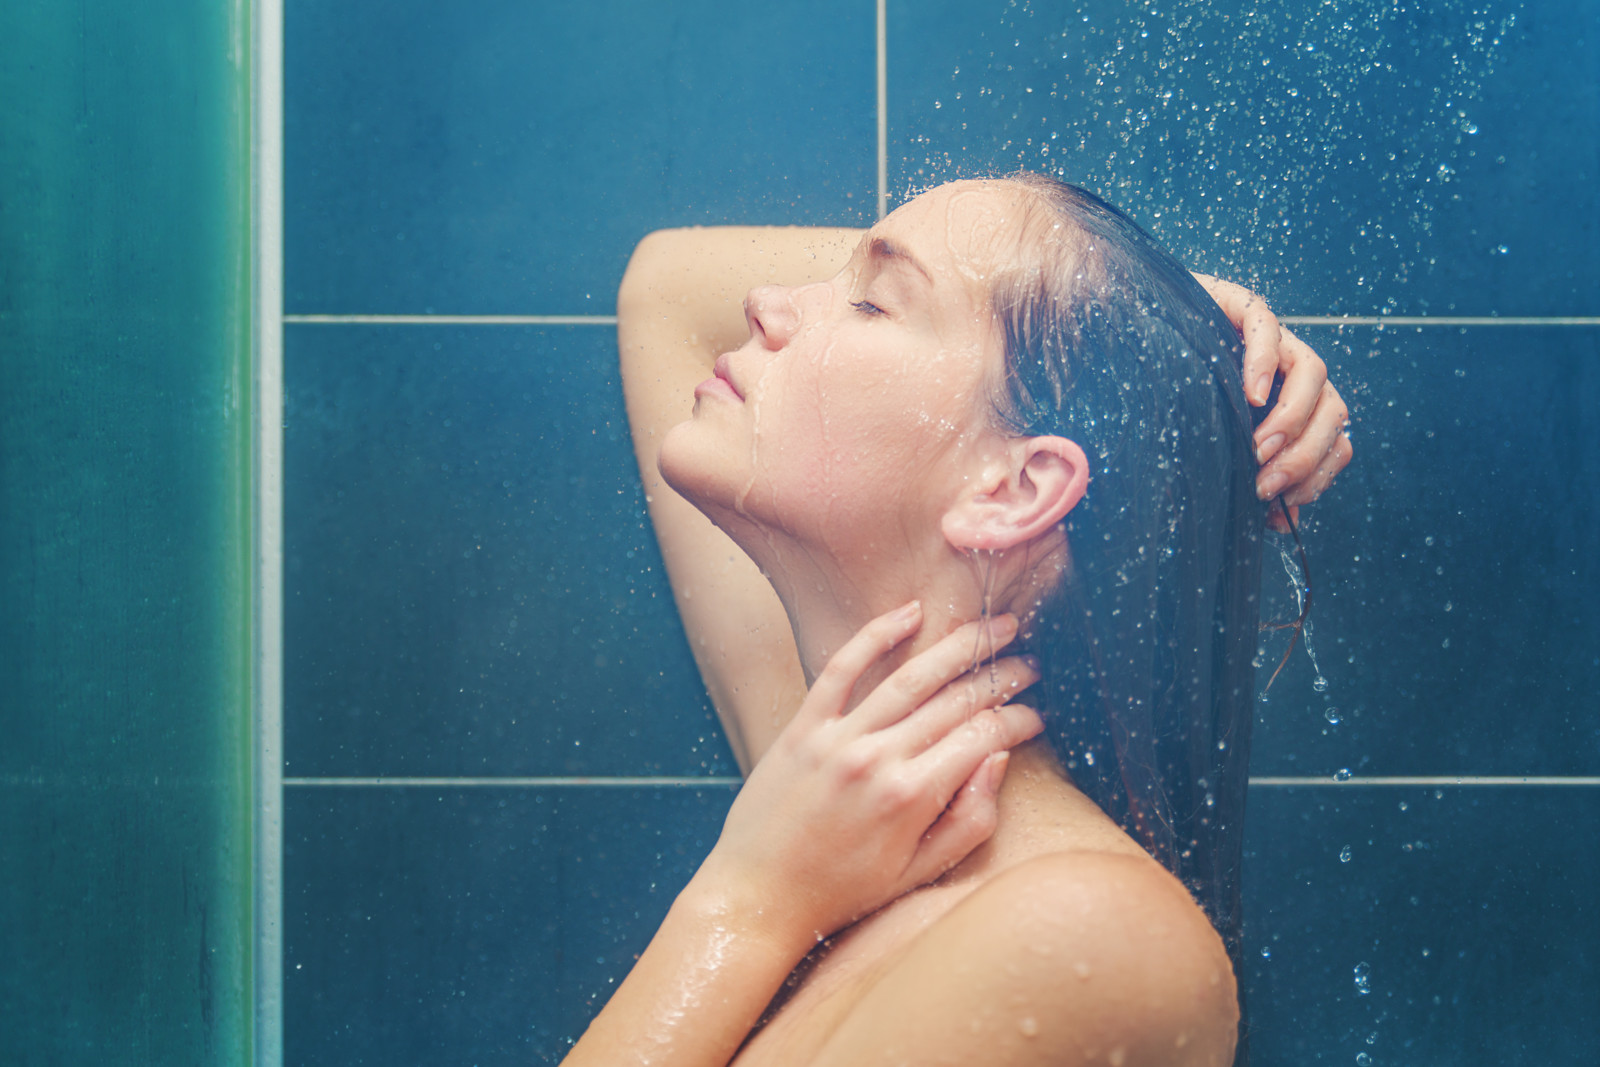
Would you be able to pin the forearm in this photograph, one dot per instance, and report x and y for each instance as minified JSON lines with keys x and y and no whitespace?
{"x":699,"y":988}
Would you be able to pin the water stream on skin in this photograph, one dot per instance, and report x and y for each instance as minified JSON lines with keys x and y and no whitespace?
{"x":983,"y":563}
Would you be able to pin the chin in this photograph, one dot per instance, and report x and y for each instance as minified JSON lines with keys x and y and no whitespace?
{"x":696,"y":469}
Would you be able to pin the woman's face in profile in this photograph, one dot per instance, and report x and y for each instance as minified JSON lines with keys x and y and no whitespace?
{"x":856,"y":402}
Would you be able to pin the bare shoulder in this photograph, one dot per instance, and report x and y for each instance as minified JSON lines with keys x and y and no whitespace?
{"x":1066,"y":958}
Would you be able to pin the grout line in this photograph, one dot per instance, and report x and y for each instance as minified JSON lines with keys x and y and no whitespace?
{"x":454,"y":320}
{"x":883,"y":108}
{"x":1438,"y":320}
{"x":1463,"y":780}
{"x":512,"y":782}
{"x":266,"y":179}
{"x":693,"y":781}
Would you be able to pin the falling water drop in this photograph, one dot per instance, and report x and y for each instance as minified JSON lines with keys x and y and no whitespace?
{"x":1363,"y":976}
{"x":1344,"y":854}
{"x":1333,"y":716}
{"x":1342,"y":774}
{"x":1363,"y":1060}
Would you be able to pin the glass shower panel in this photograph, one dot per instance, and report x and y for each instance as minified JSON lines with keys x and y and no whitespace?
{"x":125,"y":533}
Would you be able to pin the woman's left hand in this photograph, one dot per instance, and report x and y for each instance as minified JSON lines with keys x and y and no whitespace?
{"x":1301,"y":444}
{"x":850,"y":809}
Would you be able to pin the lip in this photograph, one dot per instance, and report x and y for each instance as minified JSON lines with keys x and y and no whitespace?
{"x":720,"y":382}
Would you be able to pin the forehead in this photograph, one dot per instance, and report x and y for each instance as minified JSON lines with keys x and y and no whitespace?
{"x":961,"y":233}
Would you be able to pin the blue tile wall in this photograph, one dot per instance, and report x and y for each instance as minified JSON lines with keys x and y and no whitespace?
{"x":1454,"y":570}
{"x":473,"y":590}
{"x":505,"y":157}
{"x":471,"y":583}
{"x":1347,"y":158}
{"x":481,"y":926}
{"x":1473,"y":915}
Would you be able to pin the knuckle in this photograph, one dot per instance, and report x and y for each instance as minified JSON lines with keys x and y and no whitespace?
{"x":854,"y":763}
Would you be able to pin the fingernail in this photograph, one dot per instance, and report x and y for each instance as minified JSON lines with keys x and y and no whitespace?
{"x":1269,"y":448}
{"x":1263,"y":388}
{"x":1032,"y":663}
{"x":1269,"y":486}
{"x":909,"y":612}
{"x":1005,"y":626}
{"x":997,"y":771}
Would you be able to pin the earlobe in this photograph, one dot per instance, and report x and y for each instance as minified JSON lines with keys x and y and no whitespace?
{"x":1023,"y":495}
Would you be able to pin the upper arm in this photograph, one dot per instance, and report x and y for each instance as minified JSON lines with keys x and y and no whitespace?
{"x":1065,"y":959}
{"x":679,"y":307}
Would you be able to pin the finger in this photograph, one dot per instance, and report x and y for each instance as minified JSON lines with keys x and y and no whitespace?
{"x":1295,"y":465}
{"x":958,"y":702}
{"x":1304,"y":377}
{"x":968,"y":822}
{"x":920,"y":677}
{"x":1332,"y":463}
{"x":954,"y":757}
{"x":1263,"y":348}
{"x":831,"y":691}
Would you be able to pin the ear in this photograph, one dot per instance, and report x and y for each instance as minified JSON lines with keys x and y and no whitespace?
{"x":1022,"y":494}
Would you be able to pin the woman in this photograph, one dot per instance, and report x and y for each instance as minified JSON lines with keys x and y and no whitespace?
{"x":885,"y":478}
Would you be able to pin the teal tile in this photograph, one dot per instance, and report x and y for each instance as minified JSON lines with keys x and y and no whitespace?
{"x":471,"y":583}
{"x":507,"y":157}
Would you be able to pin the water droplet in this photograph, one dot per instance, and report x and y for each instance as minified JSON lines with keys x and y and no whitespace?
{"x":1266,"y":953}
{"x":1342,"y":774}
{"x":1320,"y":684}
{"x":1333,"y":716}
{"x":1363,"y":976}
{"x":1372,"y":1038}
{"x":1344,"y":854}
{"x":1363,"y":1060}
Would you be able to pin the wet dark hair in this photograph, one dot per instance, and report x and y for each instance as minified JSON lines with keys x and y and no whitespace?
{"x":1148,"y":641}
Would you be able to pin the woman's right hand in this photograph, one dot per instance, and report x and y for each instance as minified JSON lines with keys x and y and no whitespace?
{"x":849,"y":809}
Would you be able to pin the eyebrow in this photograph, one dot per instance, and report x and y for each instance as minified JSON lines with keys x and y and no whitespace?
{"x":883,"y":249}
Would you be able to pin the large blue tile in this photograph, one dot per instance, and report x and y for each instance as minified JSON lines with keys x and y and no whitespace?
{"x":478,"y":926}
{"x":506,"y":157}
{"x":472,"y":586}
{"x":1456,"y":586}
{"x":1417,"y":157}
{"x":1468,"y":912}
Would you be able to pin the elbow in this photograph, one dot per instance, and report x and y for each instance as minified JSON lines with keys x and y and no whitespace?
{"x":651,"y":269}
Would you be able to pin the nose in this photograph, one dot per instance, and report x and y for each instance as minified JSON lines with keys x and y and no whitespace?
{"x":772,"y":315}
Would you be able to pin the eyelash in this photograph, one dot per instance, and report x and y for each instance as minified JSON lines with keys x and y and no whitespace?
{"x":867,"y":308}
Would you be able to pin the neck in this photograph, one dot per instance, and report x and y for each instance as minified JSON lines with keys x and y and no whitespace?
{"x":827,"y":607}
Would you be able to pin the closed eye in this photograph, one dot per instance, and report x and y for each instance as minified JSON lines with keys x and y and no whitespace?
{"x":867,"y":308}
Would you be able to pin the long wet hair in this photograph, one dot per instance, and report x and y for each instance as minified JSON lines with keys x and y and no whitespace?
{"x":1147,"y":643}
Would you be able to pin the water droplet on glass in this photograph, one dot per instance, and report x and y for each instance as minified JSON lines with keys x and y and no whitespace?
{"x":1363,"y":976}
{"x":1344,"y":854}
{"x":1342,"y":774}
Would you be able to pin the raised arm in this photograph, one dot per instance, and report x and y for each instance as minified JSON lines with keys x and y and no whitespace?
{"x":680,"y":306}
